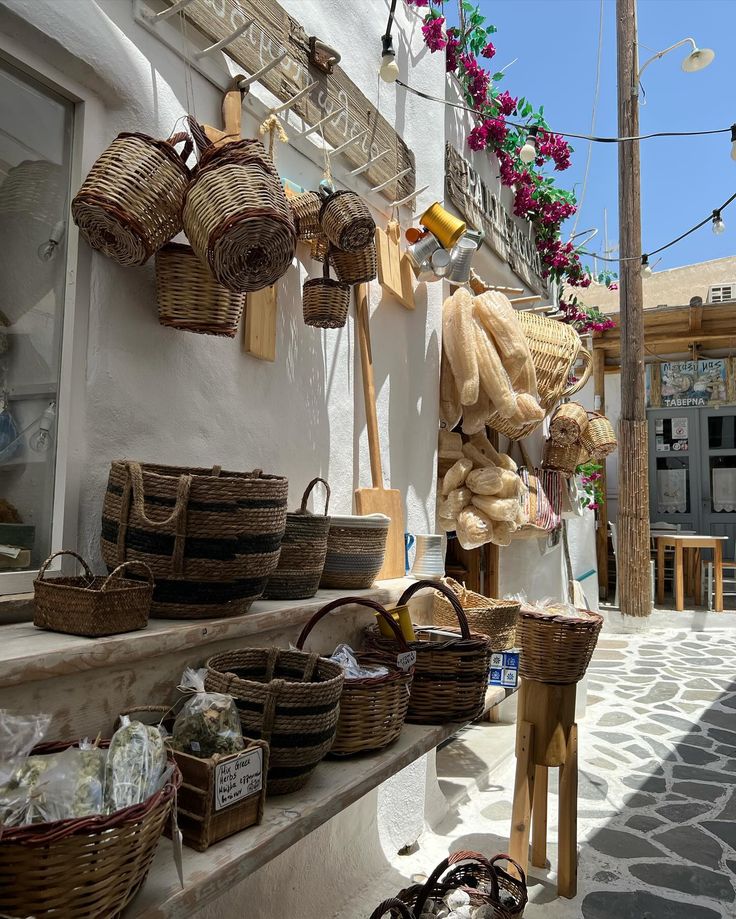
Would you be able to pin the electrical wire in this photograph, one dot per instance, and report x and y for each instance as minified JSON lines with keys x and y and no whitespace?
{"x":593,"y":139}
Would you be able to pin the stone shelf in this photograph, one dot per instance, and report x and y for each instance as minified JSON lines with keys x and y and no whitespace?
{"x":335,"y":785}
{"x":28,"y":653}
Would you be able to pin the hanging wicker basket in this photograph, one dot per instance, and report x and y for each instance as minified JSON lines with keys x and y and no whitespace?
{"x":320,"y":248}
{"x":494,"y":618}
{"x":347,"y":222}
{"x":563,"y":458}
{"x":356,"y":546}
{"x":92,"y":606}
{"x":372,"y":709}
{"x":130,"y":204}
{"x":437,"y":695}
{"x":303,"y":552}
{"x":237,"y":218}
{"x":599,"y":438}
{"x":356,"y":267}
{"x":568,"y":423}
{"x":287,"y":698}
{"x":86,"y":867}
{"x":190,"y":299}
{"x":305,"y":209}
{"x":556,"y":648}
{"x":325,"y":301}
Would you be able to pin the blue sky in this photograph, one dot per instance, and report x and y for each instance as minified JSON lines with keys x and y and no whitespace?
{"x":683,"y":179}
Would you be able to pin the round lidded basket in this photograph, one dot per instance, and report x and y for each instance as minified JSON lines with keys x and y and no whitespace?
{"x":303,"y":551}
{"x":190,"y":299}
{"x":556,"y":648}
{"x":92,"y":606}
{"x":494,"y":618}
{"x":347,"y":222}
{"x":305,"y":209}
{"x":437,"y":695}
{"x":237,"y":218}
{"x":564,"y":458}
{"x":289,"y":699}
{"x":356,"y":546}
{"x":130,"y":204}
{"x":599,"y":438}
{"x":568,"y":423}
{"x":325,"y":301}
{"x":372,"y":709}
{"x":358,"y":267}
{"x":55,"y":869}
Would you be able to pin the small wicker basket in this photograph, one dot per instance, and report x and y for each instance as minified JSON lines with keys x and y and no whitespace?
{"x":372,"y":709}
{"x":563,"y":458}
{"x":556,"y":648}
{"x":325,"y":301}
{"x":130,"y":203}
{"x":320,"y":248}
{"x":92,"y":606}
{"x":347,"y":222}
{"x":303,"y":552}
{"x":568,"y":423}
{"x":305,"y":209}
{"x":494,"y":618}
{"x":599,"y":438}
{"x":356,"y":546}
{"x":190,"y":299}
{"x":355,"y":267}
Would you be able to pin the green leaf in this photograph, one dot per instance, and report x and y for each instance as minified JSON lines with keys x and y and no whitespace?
{"x":467,"y":7}
{"x":497,"y":76}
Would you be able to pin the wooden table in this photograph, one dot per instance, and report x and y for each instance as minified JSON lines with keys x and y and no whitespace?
{"x":681,"y":544}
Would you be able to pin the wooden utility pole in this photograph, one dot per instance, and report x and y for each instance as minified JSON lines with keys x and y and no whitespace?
{"x":633,"y":502}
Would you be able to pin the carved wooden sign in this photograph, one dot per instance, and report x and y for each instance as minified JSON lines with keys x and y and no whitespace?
{"x":273,"y":32}
{"x":483,"y":210}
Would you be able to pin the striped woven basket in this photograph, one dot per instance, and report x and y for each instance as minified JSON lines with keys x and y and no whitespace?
{"x":211,"y":538}
{"x":355,"y":550}
{"x":303,"y":552}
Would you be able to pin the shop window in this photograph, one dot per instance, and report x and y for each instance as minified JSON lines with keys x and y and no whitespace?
{"x":36,"y":132}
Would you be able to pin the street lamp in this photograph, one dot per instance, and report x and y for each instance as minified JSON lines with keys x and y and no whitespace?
{"x":698,"y":59}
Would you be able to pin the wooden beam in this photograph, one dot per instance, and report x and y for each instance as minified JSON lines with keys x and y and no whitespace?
{"x":695,"y":318}
{"x":677,"y":340}
{"x":601,"y":533}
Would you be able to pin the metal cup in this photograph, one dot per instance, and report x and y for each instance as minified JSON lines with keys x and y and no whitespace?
{"x":440,"y":262}
{"x":420,"y":251}
{"x":461,"y":261}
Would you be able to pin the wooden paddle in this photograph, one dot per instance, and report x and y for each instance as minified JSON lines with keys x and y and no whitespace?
{"x":377,"y":500}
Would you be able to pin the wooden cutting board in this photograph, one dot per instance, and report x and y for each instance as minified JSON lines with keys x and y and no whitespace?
{"x":259,"y":330}
{"x":395,"y":274}
{"x":377,"y":500}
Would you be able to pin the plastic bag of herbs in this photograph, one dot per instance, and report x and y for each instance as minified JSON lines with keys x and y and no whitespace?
{"x":208,"y":723}
{"x":136,"y":764}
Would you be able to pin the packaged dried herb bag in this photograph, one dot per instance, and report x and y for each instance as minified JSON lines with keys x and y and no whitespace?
{"x":208,"y":723}
{"x":136,"y":762}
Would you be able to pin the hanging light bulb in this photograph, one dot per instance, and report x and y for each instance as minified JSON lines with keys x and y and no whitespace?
{"x":47,"y":250}
{"x":389,"y":69}
{"x":646,"y":268}
{"x":718,"y":225}
{"x":528,"y":152}
{"x":40,"y":441}
{"x":733,"y":141}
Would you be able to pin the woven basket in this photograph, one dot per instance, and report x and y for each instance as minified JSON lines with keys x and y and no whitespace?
{"x":347,"y":222}
{"x":303,"y":551}
{"x":92,"y":606}
{"x":320,"y":248}
{"x":541,"y":500}
{"x":289,"y":699}
{"x":356,"y":547}
{"x":210,"y":537}
{"x":556,"y":350}
{"x":372,"y":710}
{"x":325,"y":301}
{"x":494,"y":618}
{"x":130,"y":203}
{"x":568,"y":423}
{"x":479,"y":877}
{"x":599,"y":438}
{"x":562,"y":458}
{"x":237,"y":218}
{"x":392,"y":907}
{"x":84,"y":868}
{"x":451,"y":677}
{"x":355,"y":267}
{"x":305,"y":209}
{"x":190,"y":299}
{"x":556,"y":649}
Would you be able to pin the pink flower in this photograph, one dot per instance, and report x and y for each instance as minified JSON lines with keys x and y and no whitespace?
{"x":478,"y":137}
{"x":613,"y":286}
{"x":555,"y":148}
{"x":489,"y":50}
{"x":417,"y":2}
{"x":594,"y":505}
{"x":451,"y":59}
{"x":506,"y":103}
{"x":434,"y":37}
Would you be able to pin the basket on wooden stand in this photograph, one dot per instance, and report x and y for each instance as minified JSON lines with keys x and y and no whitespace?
{"x":494,"y":618}
{"x":92,"y":606}
{"x":599,"y":438}
{"x":357,"y":266}
{"x":556,"y":648}
{"x":451,"y":675}
{"x":287,"y":698}
{"x":372,"y":709}
{"x":325,"y":301}
{"x":346,"y":221}
{"x":130,"y":204}
{"x":568,"y":423}
{"x":303,"y":552}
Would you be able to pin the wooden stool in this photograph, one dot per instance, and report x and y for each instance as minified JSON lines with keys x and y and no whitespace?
{"x":546,"y":736}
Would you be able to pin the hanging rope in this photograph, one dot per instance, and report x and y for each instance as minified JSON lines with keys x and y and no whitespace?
{"x":270,"y":126}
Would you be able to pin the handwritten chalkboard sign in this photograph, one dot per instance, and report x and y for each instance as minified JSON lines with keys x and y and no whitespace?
{"x":238,"y":778}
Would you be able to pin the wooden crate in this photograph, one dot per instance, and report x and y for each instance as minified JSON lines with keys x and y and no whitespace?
{"x":205,"y":786}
